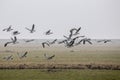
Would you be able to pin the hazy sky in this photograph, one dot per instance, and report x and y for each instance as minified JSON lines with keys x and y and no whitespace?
{"x":98,"y":18}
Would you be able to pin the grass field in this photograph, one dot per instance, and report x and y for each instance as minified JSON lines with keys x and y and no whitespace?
{"x":99,"y":56}
{"x":38,"y":74}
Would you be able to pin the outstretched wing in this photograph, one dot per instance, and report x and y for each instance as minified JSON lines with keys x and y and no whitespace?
{"x":33,"y":26}
{"x":28,"y":29}
{"x":5,"y":45}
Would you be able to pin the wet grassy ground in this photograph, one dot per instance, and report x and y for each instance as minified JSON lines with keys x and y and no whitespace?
{"x":38,"y":74}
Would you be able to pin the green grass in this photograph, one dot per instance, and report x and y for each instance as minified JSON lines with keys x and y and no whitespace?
{"x":67,"y":57}
{"x":38,"y":74}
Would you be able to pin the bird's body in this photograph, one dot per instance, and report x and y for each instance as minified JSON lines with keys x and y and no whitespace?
{"x":8,"y":57}
{"x":48,"y":32}
{"x":30,"y":40}
{"x":69,"y":37}
{"x":16,"y":33}
{"x":14,"y":41}
{"x":48,"y":57}
{"x":23,"y":55}
{"x":63,"y":41}
{"x":45,"y":43}
{"x":8,"y":29}
{"x":75,"y":31}
{"x":85,"y":40}
{"x":53,"y":42}
{"x":104,"y":41}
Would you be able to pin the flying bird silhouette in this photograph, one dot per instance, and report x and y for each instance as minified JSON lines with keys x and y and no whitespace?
{"x":48,"y":32}
{"x":75,"y":31}
{"x":68,"y":38}
{"x":30,"y":40}
{"x":49,"y":57}
{"x":8,"y":29}
{"x":32,"y":29}
{"x":14,"y":41}
{"x":63,"y":41}
{"x":53,"y":42}
{"x":85,"y":40}
{"x":104,"y":41}
{"x":16,"y":33}
{"x":71,"y":42}
{"x":45,"y":43}
{"x":23,"y":55}
{"x":8,"y":57}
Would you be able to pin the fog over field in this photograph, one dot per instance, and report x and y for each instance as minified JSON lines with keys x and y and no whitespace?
{"x":99,"y":19}
{"x":59,"y":39}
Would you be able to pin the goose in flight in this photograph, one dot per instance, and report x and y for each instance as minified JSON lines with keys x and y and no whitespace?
{"x":75,"y":31}
{"x":49,"y":57}
{"x":32,"y":29}
{"x":104,"y":41}
{"x":45,"y":43}
{"x":8,"y":57}
{"x":71,"y":43}
{"x":63,"y":41}
{"x":69,"y":37}
{"x":53,"y":42}
{"x":48,"y":32}
{"x":85,"y":40}
{"x":14,"y":41}
{"x":16,"y":33}
{"x":30,"y":40}
{"x":8,"y":29}
{"x":23,"y":55}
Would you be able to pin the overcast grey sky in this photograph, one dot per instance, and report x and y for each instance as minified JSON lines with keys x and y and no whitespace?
{"x":98,"y":18}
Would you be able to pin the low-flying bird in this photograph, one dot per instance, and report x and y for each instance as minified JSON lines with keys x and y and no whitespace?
{"x":8,"y":57}
{"x":75,"y":31}
{"x":45,"y":43}
{"x":16,"y":33}
{"x":85,"y":40}
{"x":63,"y":41}
{"x":69,"y":37}
{"x":14,"y":41}
{"x":48,"y":57}
{"x":22,"y":55}
{"x":5,"y":45}
{"x":32,"y":29}
{"x":71,"y":42}
{"x":53,"y":42}
{"x":104,"y":41}
{"x":48,"y":32}
{"x":8,"y":29}
{"x":30,"y":40}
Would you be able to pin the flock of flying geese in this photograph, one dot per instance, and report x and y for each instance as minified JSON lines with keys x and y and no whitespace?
{"x":69,"y":41}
